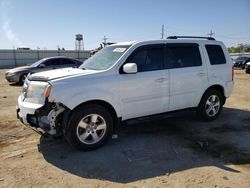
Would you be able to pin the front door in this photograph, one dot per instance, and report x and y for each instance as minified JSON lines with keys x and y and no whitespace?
{"x":147,"y":91}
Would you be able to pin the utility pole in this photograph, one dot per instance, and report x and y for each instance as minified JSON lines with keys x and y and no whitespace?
{"x":37,"y":51}
{"x":162,"y":31}
{"x":58,"y":50}
{"x":14,"y":54}
{"x":211,"y":33}
{"x":241,"y":47}
{"x":105,"y":40}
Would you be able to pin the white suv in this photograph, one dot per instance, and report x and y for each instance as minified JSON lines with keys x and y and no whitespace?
{"x":126,"y":81}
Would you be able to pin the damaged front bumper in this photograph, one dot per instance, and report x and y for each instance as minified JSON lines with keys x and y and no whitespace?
{"x":40,"y":116}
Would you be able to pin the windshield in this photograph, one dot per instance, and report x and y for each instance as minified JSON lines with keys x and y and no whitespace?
{"x":37,"y":63}
{"x":105,"y":58}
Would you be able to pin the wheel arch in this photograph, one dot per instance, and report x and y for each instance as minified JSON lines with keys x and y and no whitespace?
{"x":219,"y":88}
{"x":106,"y":105}
{"x":102,"y":103}
{"x":21,"y":76}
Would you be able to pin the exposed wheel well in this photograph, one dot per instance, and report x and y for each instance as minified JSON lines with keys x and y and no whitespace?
{"x":21,"y":77}
{"x":220,"y":89}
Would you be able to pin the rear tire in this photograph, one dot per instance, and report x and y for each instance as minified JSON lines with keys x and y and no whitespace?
{"x":210,"y":105}
{"x":89,"y":127}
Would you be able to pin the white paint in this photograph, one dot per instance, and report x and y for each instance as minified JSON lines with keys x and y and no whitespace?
{"x":143,"y":93}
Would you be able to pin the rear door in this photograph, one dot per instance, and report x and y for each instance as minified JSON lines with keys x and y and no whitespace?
{"x":188,"y":75}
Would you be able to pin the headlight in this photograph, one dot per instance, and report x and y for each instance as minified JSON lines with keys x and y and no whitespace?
{"x":36,"y":89}
{"x":10,"y":73}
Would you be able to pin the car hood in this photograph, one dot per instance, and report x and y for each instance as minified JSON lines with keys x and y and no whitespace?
{"x":18,"y":69}
{"x":58,"y":73}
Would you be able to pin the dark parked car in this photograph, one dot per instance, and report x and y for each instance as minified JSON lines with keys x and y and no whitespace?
{"x":19,"y":74}
{"x":241,"y":61}
{"x":247,"y":66}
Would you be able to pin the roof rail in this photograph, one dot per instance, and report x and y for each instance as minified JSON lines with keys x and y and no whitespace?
{"x":190,"y":37}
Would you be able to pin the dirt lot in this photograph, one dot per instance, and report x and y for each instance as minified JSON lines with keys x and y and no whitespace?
{"x":179,"y":151}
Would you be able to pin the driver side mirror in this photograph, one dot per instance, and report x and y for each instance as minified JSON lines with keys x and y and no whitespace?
{"x":130,"y":68}
{"x":41,"y":66}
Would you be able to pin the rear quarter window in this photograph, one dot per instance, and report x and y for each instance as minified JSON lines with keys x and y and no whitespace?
{"x":215,"y":54}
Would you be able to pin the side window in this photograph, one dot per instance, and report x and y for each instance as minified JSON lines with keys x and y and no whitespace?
{"x":67,"y":62}
{"x":178,"y":56}
{"x":215,"y":54}
{"x":56,"y":62}
{"x":48,"y":62}
{"x":148,"y":58}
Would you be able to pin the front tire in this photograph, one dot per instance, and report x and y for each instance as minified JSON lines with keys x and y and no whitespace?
{"x":22,"y":79}
{"x":210,"y":105}
{"x":89,"y":127}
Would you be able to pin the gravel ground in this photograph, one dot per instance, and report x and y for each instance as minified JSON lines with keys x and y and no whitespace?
{"x":179,"y":151}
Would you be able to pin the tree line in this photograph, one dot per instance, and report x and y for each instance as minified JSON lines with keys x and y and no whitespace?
{"x":241,"y":48}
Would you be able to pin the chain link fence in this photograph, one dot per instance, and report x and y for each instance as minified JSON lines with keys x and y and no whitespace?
{"x":14,"y":58}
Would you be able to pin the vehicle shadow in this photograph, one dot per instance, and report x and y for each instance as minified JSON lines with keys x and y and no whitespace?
{"x":15,"y":84}
{"x":160,"y":147}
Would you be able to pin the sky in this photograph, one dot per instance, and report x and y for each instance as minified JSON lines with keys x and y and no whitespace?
{"x":46,"y":24}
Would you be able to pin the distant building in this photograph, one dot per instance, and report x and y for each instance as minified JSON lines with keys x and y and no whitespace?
{"x":23,"y":48}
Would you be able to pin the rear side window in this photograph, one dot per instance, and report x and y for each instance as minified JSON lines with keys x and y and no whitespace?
{"x":67,"y":62}
{"x":215,"y":54}
{"x":178,"y":56}
{"x":148,"y":58}
{"x":55,"y":62}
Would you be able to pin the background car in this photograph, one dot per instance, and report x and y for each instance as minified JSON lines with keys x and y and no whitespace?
{"x":241,"y":61}
{"x":19,"y":74}
{"x":247,"y":67}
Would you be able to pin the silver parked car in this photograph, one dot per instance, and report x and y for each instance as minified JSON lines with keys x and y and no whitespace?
{"x":19,"y":74}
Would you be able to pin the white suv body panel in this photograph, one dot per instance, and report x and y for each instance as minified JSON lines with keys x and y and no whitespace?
{"x":26,"y":108}
{"x":101,"y":86}
{"x":187,"y":84}
{"x":143,"y":93}
{"x":217,"y":74}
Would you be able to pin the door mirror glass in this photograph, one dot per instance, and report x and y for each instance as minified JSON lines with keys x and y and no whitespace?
{"x":130,"y":68}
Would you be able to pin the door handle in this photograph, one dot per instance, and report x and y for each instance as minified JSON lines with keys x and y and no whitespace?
{"x":201,"y":74}
{"x":160,"y":80}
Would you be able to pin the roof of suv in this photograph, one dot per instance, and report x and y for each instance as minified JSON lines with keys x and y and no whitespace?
{"x":173,"y":39}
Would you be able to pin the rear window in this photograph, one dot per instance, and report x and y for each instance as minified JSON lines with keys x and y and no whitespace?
{"x":215,"y":54}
